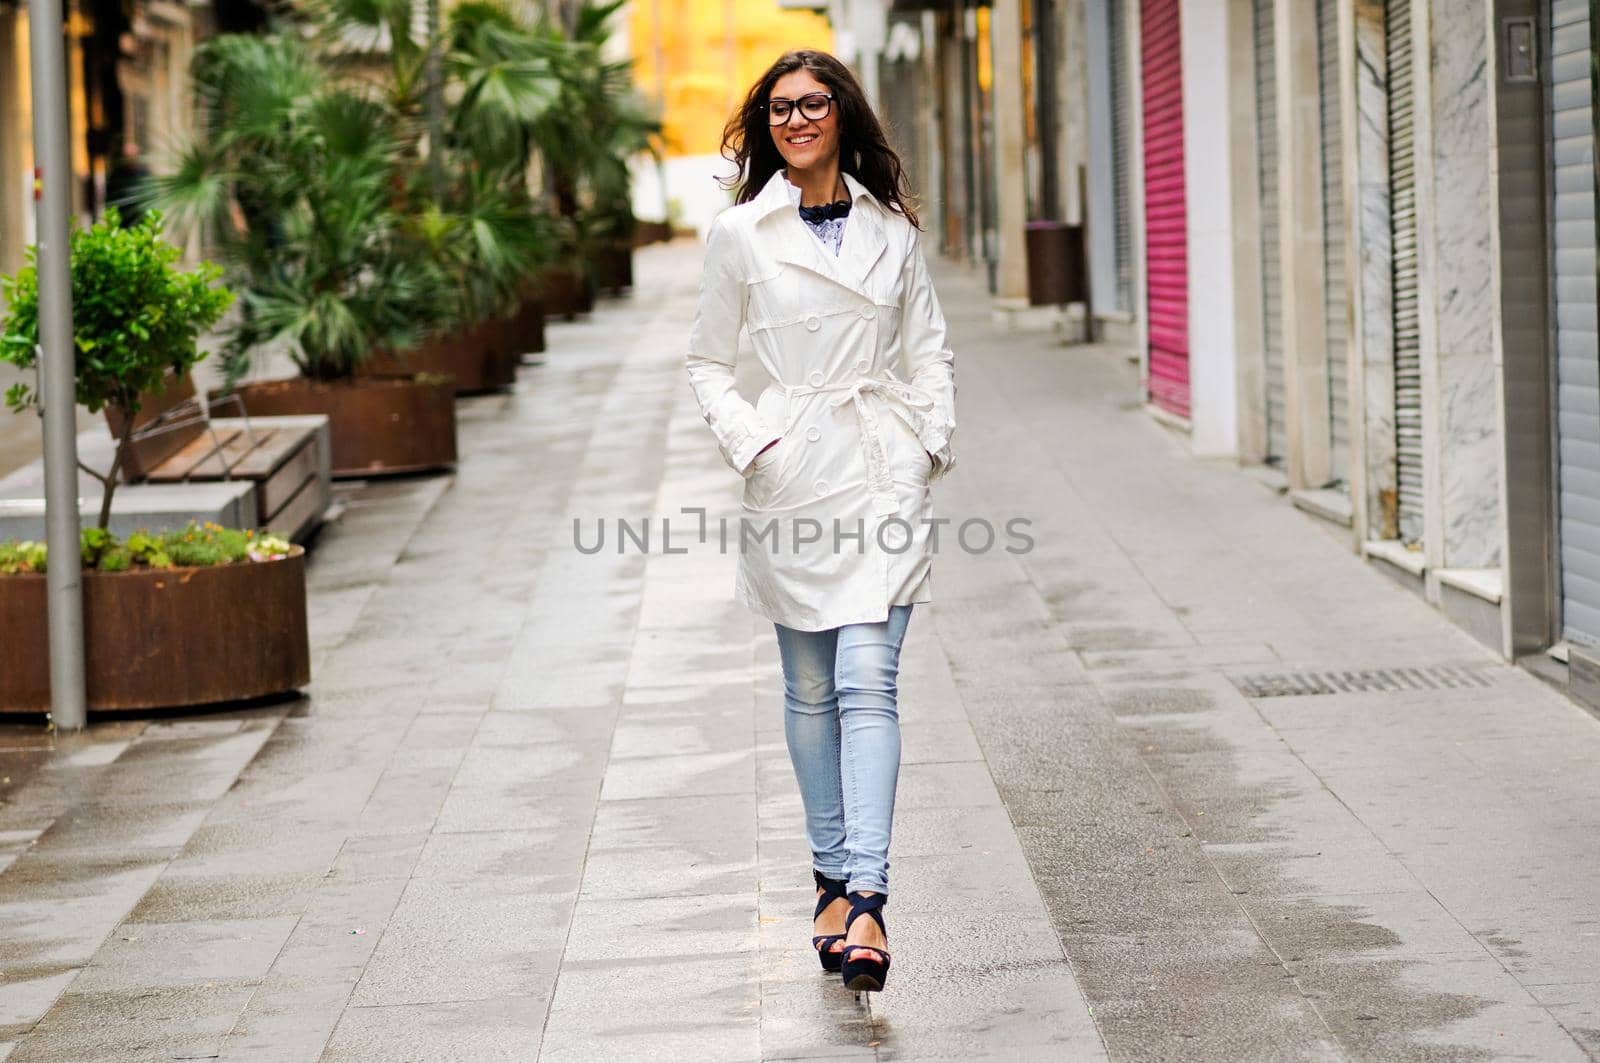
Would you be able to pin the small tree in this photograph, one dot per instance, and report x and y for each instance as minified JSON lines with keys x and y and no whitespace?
{"x":135,"y":318}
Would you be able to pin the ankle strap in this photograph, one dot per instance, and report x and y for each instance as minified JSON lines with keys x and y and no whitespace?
{"x":832,"y":890}
{"x":867,"y":903}
{"x":861,"y":904}
{"x":833,"y":887}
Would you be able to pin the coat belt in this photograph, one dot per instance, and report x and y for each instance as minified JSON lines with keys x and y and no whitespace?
{"x":897,"y":393}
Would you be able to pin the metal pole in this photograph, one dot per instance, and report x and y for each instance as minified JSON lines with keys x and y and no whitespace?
{"x":57,"y":386}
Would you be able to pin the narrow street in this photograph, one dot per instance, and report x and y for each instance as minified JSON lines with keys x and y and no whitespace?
{"x":536,"y":803}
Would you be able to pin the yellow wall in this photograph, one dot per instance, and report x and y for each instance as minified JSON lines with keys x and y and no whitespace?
{"x":701,"y":58}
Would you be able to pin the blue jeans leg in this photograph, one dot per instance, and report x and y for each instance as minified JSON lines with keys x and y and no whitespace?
{"x":811,"y":729}
{"x":843,"y":731}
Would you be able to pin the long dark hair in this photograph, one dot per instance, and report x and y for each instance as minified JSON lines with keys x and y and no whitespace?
{"x":864,"y":151}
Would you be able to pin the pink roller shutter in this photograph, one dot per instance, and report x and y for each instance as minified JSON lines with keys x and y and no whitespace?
{"x":1166,"y":245}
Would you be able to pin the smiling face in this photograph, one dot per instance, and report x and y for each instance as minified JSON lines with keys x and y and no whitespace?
{"x":804,"y":143}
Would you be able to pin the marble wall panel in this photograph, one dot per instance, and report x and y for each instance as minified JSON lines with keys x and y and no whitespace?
{"x":1375,"y":268}
{"x":1467,"y":432}
{"x":1072,"y":94}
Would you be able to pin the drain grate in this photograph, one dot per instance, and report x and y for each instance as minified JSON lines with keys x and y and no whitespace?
{"x":1362,"y":681}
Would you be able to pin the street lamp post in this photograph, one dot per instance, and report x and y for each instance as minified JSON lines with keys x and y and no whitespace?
{"x":57,"y":388}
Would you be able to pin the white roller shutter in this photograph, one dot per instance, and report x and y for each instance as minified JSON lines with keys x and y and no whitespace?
{"x":1577,"y":356}
{"x":1334,"y":298}
{"x":1403,"y":229}
{"x":1271,"y":274}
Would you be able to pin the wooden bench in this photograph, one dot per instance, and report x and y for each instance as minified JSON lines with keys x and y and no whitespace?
{"x":174,"y":440}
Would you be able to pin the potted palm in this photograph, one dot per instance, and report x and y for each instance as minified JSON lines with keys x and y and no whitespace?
{"x":298,"y":177}
{"x":467,"y":195}
{"x":200,"y":615}
{"x":586,"y":142}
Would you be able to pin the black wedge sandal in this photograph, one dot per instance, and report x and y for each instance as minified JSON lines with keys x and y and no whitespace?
{"x":865,"y":973}
{"x":832,"y":890}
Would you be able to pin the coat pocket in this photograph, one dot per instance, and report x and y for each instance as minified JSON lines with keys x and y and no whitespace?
{"x":766,"y":473}
{"x":908,"y":461}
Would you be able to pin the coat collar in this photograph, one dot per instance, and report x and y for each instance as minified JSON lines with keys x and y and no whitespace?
{"x":795,"y":244}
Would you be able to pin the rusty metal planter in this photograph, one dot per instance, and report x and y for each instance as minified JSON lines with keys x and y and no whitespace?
{"x":566,"y":290}
{"x":165,"y":638}
{"x":613,"y":265}
{"x":481,"y":357}
{"x":378,"y":425}
{"x":650,"y":232}
{"x":526,"y":326}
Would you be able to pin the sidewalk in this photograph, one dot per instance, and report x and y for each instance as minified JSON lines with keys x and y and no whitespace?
{"x":538,"y":804}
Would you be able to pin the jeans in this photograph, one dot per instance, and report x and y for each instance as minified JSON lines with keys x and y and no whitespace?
{"x":843,"y":732}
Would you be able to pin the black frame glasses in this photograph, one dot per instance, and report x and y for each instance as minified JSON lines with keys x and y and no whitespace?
{"x":788,"y":107}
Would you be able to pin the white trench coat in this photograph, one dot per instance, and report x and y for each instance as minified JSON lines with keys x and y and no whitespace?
{"x":861,"y":391}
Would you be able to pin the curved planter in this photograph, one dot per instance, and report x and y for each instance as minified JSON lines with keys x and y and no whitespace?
{"x":165,"y":638}
{"x":378,"y":425}
{"x":481,"y":357}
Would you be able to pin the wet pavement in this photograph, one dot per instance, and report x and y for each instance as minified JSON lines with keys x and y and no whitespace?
{"x":537,"y":803}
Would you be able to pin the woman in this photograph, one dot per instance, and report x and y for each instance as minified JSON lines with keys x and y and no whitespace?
{"x":820,"y":260}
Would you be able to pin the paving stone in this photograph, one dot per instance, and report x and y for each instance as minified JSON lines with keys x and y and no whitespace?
{"x":151,"y":1022}
{"x":501,"y":1028}
{"x":140,"y":955}
{"x":703,"y":1007}
{"x":465,"y":940}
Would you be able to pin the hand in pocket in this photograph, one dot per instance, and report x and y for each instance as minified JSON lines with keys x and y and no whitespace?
{"x":767,"y":455}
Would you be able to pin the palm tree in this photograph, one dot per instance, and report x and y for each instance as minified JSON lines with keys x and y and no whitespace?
{"x":468,"y":192}
{"x":587,"y":140}
{"x":296,"y":174}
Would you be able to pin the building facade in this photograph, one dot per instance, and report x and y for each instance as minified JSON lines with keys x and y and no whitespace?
{"x":1352,"y":241}
{"x":127,"y":97}
{"x":696,"y":61}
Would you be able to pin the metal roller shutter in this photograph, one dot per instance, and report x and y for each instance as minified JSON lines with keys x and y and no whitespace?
{"x":1271,"y":252}
{"x":1335,"y":301}
{"x":1119,"y":157}
{"x":1577,"y":354}
{"x":1166,"y":239}
{"x":1403,"y":229}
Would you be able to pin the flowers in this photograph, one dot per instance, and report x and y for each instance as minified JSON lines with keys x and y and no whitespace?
{"x":269,"y":548}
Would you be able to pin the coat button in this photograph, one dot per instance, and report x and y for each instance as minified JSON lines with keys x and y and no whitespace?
{"x":862,"y":365}
{"x":816,"y":378}
{"x":869,"y":311}
{"x":813,"y":433}
{"x":813,"y":323}
{"x":822,"y":487}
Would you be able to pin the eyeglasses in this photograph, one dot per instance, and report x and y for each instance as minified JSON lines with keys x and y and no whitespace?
{"x":814,"y":107}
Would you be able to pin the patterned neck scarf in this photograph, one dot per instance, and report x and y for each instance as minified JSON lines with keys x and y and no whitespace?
{"x":825,"y":211}
{"x":825,"y":219}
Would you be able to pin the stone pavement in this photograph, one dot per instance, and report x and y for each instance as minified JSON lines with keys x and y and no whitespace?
{"x":537,"y":803}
